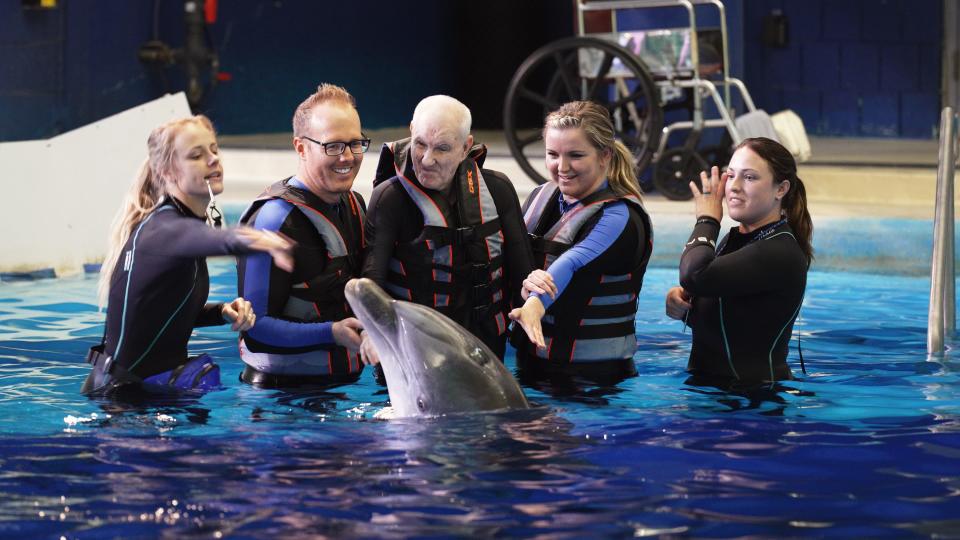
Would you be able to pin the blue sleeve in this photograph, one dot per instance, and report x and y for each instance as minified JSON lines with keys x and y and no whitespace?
{"x":612,"y":223}
{"x":256,"y":289}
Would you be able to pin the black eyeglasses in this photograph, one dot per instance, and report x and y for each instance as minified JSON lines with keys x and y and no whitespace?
{"x":357,"y":146}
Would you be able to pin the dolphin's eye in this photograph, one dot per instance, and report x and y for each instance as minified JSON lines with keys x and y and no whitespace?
{"x":421,"y":405}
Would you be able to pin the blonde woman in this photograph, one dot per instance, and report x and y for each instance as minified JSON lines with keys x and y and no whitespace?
{"x":154,"y":280}
{"x":592,"y":238}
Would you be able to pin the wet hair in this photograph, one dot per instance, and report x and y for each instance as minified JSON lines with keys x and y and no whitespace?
{"x":596,"y":124}
{"x":145,"y":193}
{"x":442,"y":104}
{"x":794,"y":203}
{"x":325,"y":93}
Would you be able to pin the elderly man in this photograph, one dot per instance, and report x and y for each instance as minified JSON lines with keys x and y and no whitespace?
{"x":304,"y":332}
{"x":442,"y":231}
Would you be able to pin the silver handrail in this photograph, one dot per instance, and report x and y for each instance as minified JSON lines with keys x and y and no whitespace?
{"x":941,"y":317}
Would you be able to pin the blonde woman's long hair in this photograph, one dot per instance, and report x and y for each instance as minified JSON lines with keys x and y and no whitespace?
{"x":596,"y":124}
{"x":145,"y":194}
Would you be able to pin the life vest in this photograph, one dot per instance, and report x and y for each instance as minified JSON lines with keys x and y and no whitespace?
{"x":457,"y":270}
{"x":316,"y":296}
{"x":593,"y":319}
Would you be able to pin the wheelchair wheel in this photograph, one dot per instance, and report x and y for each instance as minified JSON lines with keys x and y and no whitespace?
{"x":583,"y":68}
{"x":674,"y":170}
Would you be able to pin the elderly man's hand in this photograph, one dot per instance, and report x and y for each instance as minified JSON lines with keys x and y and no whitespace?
{"x":540,"y":282}
{"x":346,"y":333}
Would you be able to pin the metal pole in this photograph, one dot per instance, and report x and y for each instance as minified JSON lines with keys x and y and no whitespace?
{"x":949,"y":259}
{"x":943,"y":209}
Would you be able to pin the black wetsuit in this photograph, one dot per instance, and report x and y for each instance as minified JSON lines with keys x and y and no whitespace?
{"x":393,"y":218}
{"x":158,"y":290}
{"x":746,"y":297}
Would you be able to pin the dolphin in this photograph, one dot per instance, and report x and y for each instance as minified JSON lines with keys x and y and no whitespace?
{"x":433,"y":366}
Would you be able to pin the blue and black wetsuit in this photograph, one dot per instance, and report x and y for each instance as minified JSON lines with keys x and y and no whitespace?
{"x":746,"y":296}
{"x":158,"y":295}
{"x":596,"y":250}
{"x":292,"y":343}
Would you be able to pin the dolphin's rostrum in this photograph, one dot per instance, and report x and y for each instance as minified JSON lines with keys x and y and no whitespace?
{"x":433,"y":366}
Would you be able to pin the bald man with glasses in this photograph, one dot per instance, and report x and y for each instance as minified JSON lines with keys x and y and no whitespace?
{"x":305,"y":333}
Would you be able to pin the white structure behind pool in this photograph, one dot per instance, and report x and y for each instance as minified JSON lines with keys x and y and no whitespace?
{"x":60,"y":194}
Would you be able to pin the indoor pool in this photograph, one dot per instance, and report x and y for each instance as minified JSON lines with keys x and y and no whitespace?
{"x":867,"y":444}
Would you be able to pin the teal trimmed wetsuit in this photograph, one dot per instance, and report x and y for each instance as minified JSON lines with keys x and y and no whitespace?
{"x":746,"y":296}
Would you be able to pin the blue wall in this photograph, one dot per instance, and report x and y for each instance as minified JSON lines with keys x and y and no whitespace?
{"x":76,"y":64}
{"x":852,"y":67}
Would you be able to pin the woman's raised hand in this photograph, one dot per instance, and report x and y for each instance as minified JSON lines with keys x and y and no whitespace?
{"x":709,"y":201}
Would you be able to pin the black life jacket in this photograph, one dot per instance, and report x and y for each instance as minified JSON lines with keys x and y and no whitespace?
{"x":457,"y":270}
{"x":593,"y":319}
{"x":317,"y":295}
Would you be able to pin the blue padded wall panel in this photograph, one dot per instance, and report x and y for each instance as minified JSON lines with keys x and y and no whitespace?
{"x":806,"y":103}
{"x":923,"y":21}
{"x":880,"y":20}
{"x":803,"y":16}
{"x":783,"y":67}
{"x":930,"y":74}
{"x":899,"y":67}
{"x":841,"y":113}
{"x":34,"y":116}
{"x":919,"y":114}
{"x":879,"y":115}
{"x":841,"y":21}
{"x":859,"y":66}
{"x":821,"y":66}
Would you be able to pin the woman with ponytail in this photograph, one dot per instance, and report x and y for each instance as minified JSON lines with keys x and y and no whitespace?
{"x":154,"y":279}
{"x":742,"y":296}
{"x":592,"y":239}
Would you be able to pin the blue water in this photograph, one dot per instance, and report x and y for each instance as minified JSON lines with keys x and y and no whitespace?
{"x":866,"y":445}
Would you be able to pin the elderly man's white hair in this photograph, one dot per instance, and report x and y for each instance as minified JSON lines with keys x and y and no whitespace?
{"x":444,"y":105}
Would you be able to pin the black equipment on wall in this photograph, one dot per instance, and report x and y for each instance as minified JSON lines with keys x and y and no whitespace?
{"x":197,"y":56}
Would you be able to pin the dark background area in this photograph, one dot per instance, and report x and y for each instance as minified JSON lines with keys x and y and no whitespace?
{"x":849,"y":68}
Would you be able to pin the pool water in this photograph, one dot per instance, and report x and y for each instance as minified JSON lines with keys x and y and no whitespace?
{"x":867,"y":444}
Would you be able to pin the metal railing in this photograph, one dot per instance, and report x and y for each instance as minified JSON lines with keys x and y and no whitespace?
{"x":941,"y":318}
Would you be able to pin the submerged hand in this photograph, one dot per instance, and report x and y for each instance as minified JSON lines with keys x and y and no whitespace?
{"x":678,"y":303}
{"x":240,"y":314}
{"x":346,"y":333}
{"x":278,"y":246}
{"x":540,"y":282}
{"x":529,"y":318}
{"x":709,"y":201}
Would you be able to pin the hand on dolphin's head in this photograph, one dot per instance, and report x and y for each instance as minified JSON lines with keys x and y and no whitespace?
{"x":529,"y":316}
{"x":540,"y":282}
{"x":346,"y":333}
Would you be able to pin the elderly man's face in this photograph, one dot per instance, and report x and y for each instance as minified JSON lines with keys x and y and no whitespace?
{"x":437,"y":149}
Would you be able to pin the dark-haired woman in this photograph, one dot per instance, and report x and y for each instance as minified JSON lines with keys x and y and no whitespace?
{"x":742,"y":295}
